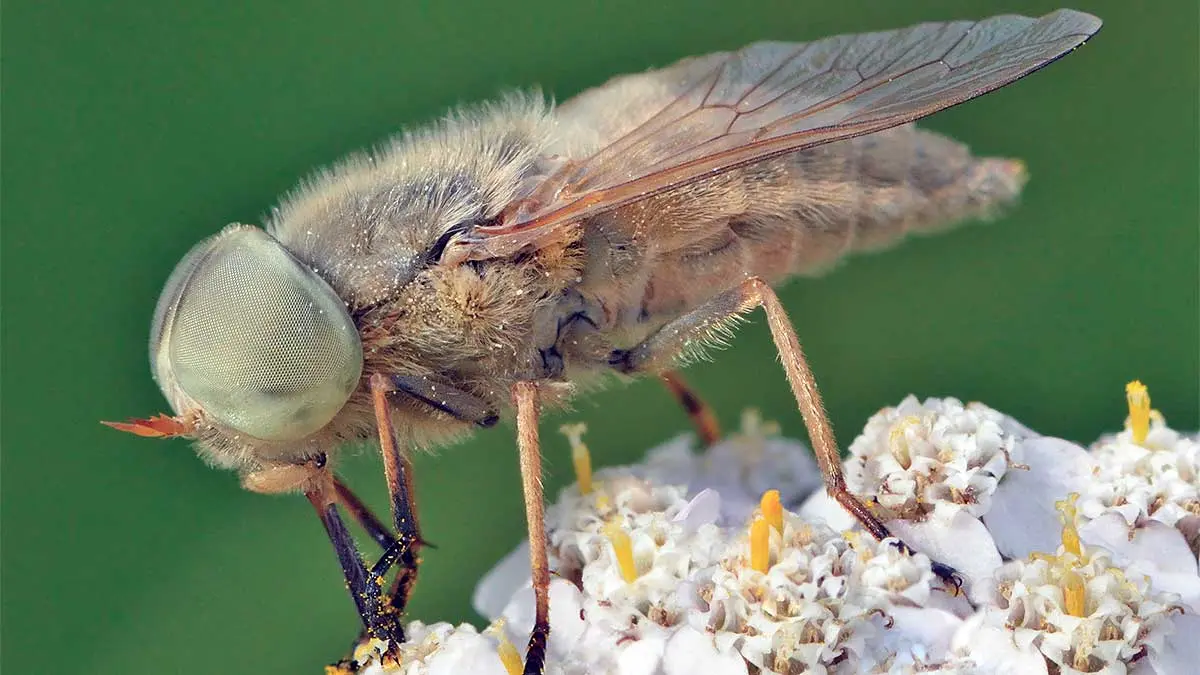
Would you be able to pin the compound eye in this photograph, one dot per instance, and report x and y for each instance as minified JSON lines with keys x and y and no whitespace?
{"x":257,"y":339}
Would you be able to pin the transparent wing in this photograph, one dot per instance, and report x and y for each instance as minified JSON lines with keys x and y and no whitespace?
{"x":771,"y":98}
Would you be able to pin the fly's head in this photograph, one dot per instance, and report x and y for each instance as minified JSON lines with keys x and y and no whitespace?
{"x":255,"y":352}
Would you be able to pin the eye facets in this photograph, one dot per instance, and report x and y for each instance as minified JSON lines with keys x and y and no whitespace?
{"x":256,"y":339}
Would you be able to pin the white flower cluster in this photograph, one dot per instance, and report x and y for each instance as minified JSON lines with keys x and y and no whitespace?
{"x":1080,"y":613}
{"x":1143,"y":505}
{"x":965,"y":484}
{"x":1073,"y":561}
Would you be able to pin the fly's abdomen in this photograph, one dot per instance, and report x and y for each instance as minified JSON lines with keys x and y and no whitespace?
{"x":800,"y":214}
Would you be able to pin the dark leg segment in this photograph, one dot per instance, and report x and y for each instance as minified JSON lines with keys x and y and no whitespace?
{"x":398,"y":472}
{"x":702,"y":416}
{"x":363,"y":515}
{"x":454,"y":402}
{"x":366,"y":591}
{"x":657,"y":351}
{"x":525,"y":400}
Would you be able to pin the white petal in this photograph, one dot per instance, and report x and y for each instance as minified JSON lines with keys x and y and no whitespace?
{"x":518,"y":615}
{"x":1156,"y":549}
{"x":1022,"y":517}
{"x":993,"y":648}
{"x":952,"y":537}
{"x":690,"y":652}
{"x":820,"y":506}
{"x":466,"y":652}
{"x":642,"y":657}
{"x":1181,"y":652}
{"x":931,"y":629}
{"x":1010,"y":425}
{"x":703,"y":508}
{"x":495,"y":590}
{"x":566,"y":623}
{"x":1151,"y":540}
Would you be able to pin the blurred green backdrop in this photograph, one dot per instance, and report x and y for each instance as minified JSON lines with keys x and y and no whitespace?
{"x":132,"y":129}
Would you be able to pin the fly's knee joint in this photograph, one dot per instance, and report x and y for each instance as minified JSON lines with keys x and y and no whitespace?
{"x":757,"y":288}
{"x":621,"y":360}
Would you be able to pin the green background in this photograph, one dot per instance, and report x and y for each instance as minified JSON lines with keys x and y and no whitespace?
{"x":132,"y":129}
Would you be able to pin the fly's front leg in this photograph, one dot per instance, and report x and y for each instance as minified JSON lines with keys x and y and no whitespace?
{"x":363,"y":584}
{"x":363,"y":515}
{"x":398,"y":472}
{"x":525,"y":400}
{"x":657,"y":352}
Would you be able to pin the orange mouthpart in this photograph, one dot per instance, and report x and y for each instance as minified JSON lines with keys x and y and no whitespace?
{"x":159,"y":426}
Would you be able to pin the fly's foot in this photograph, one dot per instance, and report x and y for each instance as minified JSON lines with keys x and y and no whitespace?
{"x":951,"y":577}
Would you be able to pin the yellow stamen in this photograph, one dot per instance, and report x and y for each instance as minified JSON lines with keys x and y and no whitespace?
{"x":760,"y":538}
{"x":579,"y":455}
{"x":1074,"y":593}
{"x":897,"y":444}
{"x":1068,"y":515}
{"x":509,"y":656}
{"x":1138,"y":398}
{"x":623,"y":548}
{"x":754,"y":425}
{"x":772,"y":509}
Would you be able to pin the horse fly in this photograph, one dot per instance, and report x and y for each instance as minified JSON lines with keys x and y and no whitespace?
{"x":484,"y":265}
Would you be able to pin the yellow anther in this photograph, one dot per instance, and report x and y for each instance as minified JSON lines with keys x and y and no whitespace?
{"x":623,"y":548}
{"x":772,"y":509}
{"x":760,"y":539}
{"x":509,"y":656}
{"x":1074,"y":593}
{"x":1070,"y":540}
{"x":1068,"y":514}
{"x":754,"y":425}
{"x":897,"y":444}
{"x":1139,"y":410}
{"x":579,"y":455}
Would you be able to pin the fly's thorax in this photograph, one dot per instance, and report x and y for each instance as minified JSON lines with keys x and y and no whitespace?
{"x":475,"y":326}
{"x":253,"y":341}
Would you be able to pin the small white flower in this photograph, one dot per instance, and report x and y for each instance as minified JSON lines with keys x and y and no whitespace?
{"x":1143,"y":505}
{"x":965,"y":484}
{"x":437,"y":649}
{"x":740,"y":468}
{"x":1158,"y":478}
{"x":1081,"y":613}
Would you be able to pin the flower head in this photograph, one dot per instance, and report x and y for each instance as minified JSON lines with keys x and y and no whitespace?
{"x":694,"y":562}
{"x":1077,"y":609}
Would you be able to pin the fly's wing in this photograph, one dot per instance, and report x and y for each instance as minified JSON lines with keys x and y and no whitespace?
{"x":726,"y":110}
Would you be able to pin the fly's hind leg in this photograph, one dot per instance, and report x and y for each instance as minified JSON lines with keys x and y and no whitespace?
{"x":699,"y":412}
{"x":656,"y":353}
